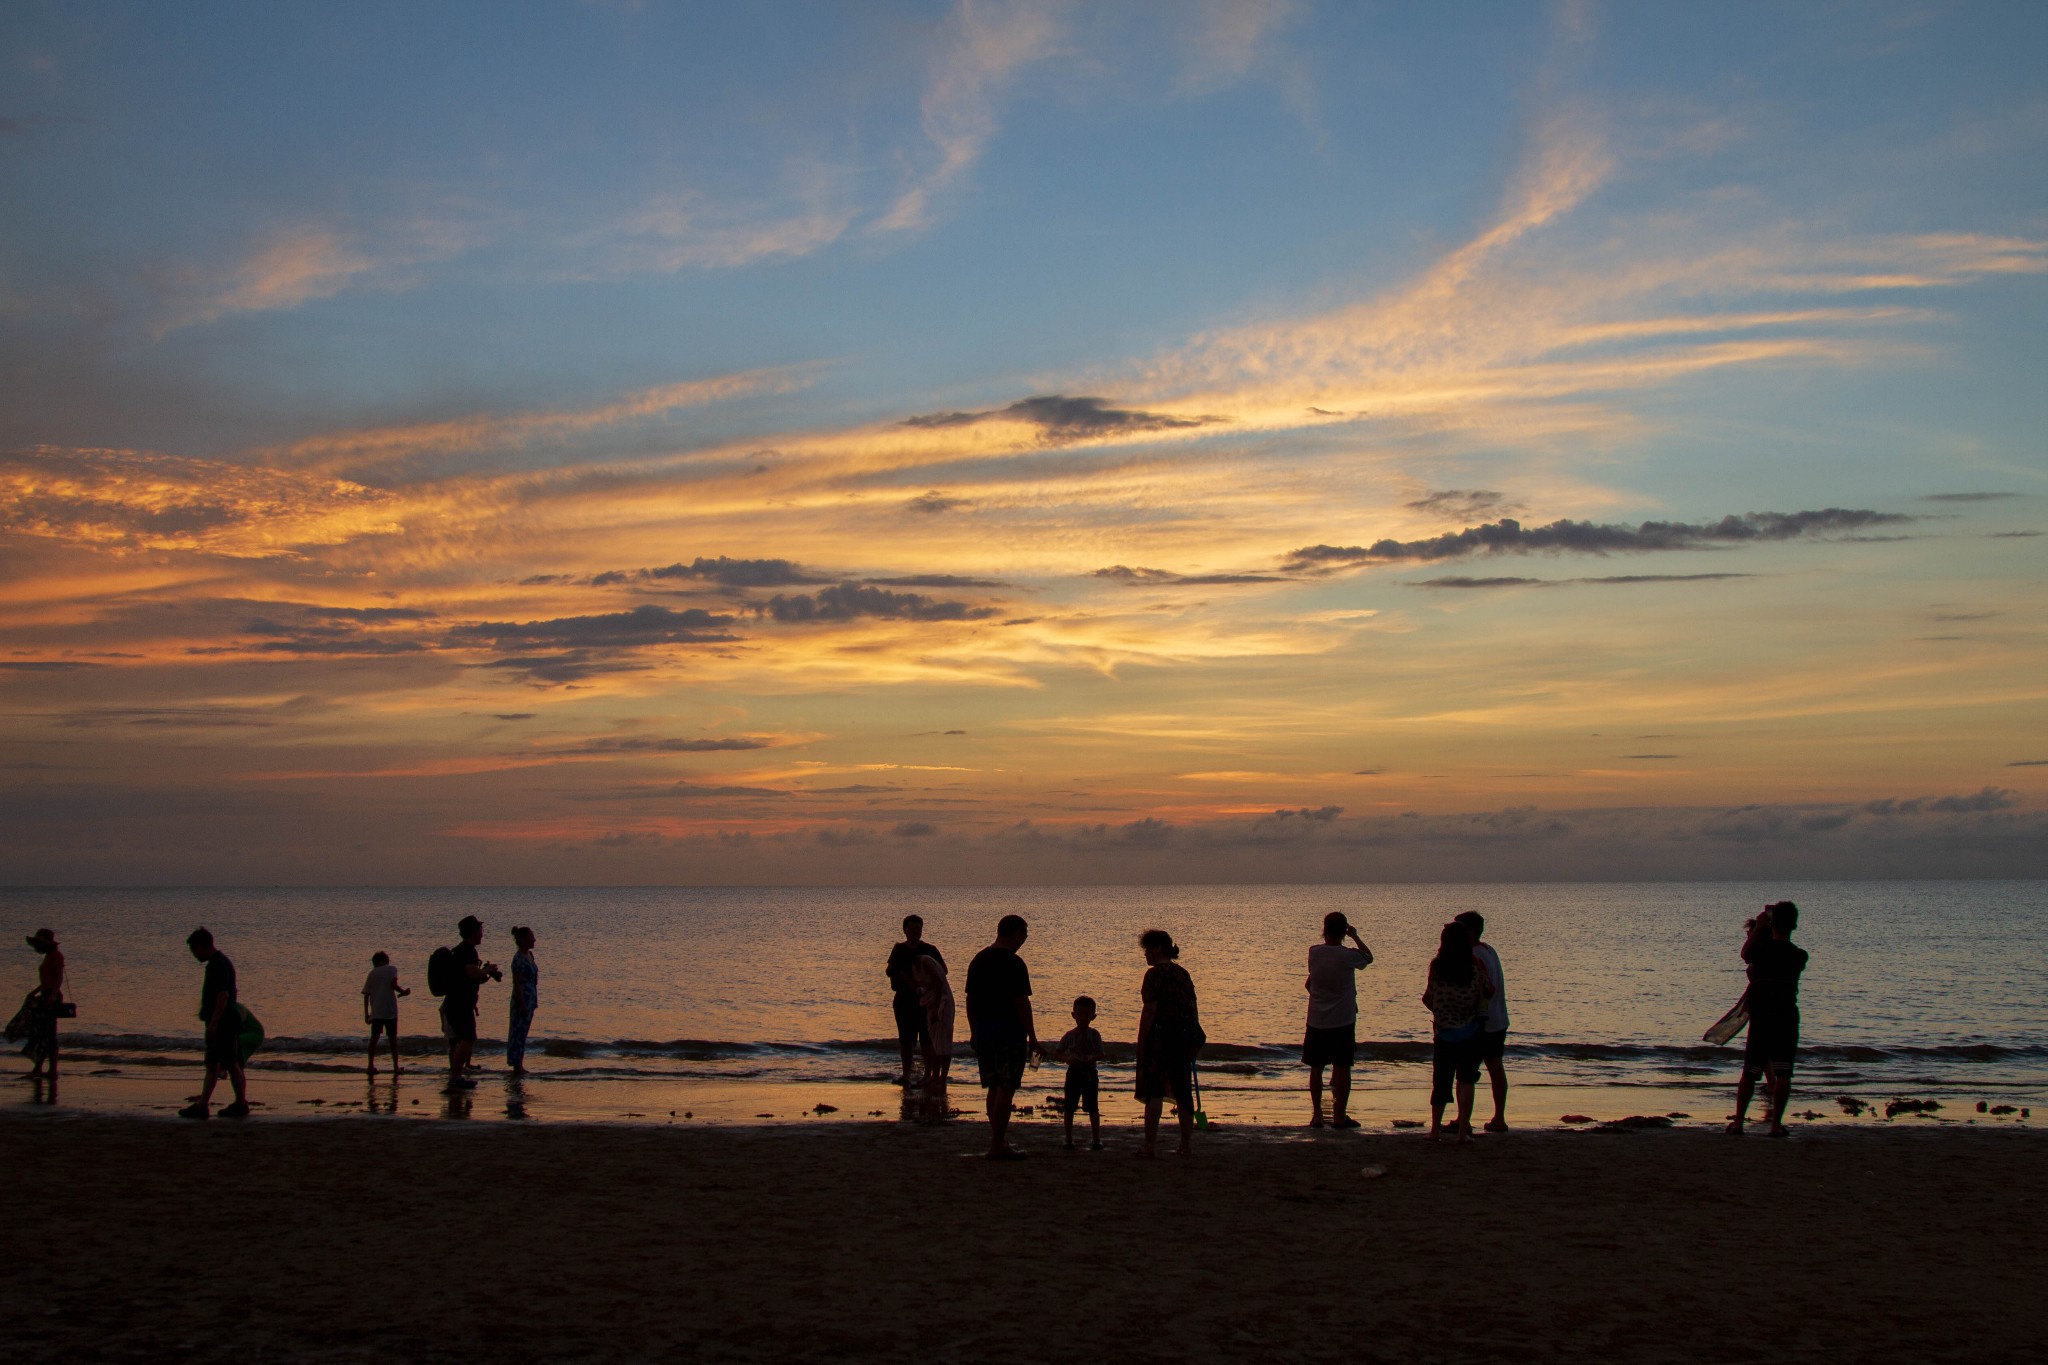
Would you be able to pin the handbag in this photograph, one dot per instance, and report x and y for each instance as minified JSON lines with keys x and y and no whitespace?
{"x":65,"y":1010}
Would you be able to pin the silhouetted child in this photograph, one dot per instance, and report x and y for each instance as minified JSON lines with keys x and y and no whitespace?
{"x":380,"y":1006}
{"x":1081,"y":1049}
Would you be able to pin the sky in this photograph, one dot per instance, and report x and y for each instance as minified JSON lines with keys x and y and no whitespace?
{"x":1028,"y":442}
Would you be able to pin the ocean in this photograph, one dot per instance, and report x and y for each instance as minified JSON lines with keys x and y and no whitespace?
{"x":769,"y":1005}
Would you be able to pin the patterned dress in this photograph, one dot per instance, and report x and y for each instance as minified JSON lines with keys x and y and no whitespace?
{"x":1166,"y":1054}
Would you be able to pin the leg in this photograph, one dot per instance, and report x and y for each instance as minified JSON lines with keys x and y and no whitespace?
{"x":1315,"y":1095}
{"x":239,"y":1079}
{"x":1465,"y":1089}
{"x":1779,"y":1079}
{"x":1744,"y":1089}
{"x":1187,"y":1121}
{"x":1497,"y":1072}
{"x":999,"y":1097}
{"x":391,"y":1037}
{"x":1095,"y":1127}
{"x":1151,"y":1127}
{"x":1067,"y":1119}
{"x":1340,"y":1094}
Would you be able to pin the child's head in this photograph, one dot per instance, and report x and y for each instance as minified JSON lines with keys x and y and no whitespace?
{"x":380,"y":959}
{"x":1084,"y":1010}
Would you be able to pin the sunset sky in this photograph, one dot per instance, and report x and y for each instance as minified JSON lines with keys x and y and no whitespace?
{"x":1022,"y":442}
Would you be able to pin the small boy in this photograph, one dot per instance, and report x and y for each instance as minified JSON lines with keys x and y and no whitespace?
{"x":1081,"y":1049}
{"x":380,"y":1006}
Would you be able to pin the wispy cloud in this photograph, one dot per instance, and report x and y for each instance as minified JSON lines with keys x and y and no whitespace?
{"x":986,"y":44}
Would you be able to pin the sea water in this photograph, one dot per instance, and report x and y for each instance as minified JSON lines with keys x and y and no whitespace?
{"x":738,"y":1004}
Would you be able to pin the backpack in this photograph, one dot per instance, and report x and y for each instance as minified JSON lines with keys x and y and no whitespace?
{"x":441,"y":971}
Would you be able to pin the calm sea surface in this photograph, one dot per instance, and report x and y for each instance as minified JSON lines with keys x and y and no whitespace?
{"x":1926,"y":988}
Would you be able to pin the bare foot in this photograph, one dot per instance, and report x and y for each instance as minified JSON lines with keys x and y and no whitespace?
{"x":1734,"y":1128}
{"x":1496,"y":1125}
{"x":1780,"y":1130}
{"x":1317,"y":1121}
{"x":1343,"y":1121}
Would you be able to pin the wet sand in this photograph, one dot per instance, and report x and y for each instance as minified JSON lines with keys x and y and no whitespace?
{"x":359,"y":1238}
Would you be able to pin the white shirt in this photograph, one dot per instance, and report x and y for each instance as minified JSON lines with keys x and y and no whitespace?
{"x":1497,"y":1004}
{"x":1333,"y":984}
{"x":380,"y":987}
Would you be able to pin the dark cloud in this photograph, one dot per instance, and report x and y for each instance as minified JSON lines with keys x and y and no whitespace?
{"x":1457,"y":502}
{"x":1457,"y":581}
{"x":196,"y":717}
{"x":1966,"y":497}
{"x":569,"y":667}
{"x":513,"y":715}
{"x":938,"y":580}
{"x":2013,"y":535}
{"x":1650,"y":756}
{"x":1988,"y":799}
{"x":1061,"y":418}
{"x":641,"y":626}
{"x":914,"y":829}
{"x":2029,"y":763}
{"x":44,"y":665}
{"x":642,"y":744}
{"x":857,"y":789}
{"x":541,"y":580}
{"x":371,"y":615}
{"x":1508,"y":536}
{"x":934,"y":502}
{"x":846,"y":601}
{"x":844,"y":838}
{"x":1166,"y":578}
{"x":1460,"y":582}
{"x":739,"y":573}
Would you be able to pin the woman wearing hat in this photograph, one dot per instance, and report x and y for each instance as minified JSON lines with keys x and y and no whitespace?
{"x":41,"y":1005}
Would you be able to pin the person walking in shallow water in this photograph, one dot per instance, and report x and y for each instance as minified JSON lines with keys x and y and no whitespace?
{"x":1331,"y":1038}
{"x":1004,"y":1032}
{"x":1455,"y":996}
{"x":1493,"y":1030}
{"x":223,"y":1029}
{"x":36,"y":1024}
{"x":525,"y":999}
{"x":1775,"y":965}
{"x":380,"y":1006}
{"x":1169,"y":1036}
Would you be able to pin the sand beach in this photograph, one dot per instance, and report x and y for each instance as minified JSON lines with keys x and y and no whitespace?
{"x":358,"y":1239}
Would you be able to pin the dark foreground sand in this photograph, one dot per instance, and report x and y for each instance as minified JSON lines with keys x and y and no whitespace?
{"x":358,"y":1239}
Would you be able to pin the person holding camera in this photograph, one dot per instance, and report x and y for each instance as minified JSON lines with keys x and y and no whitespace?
{"x":458,"y":1006}
{"x":1775,"y":964}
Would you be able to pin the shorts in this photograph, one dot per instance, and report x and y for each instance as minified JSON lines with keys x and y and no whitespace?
{"x":387,"y":1027}
{"x":1772,"y":1043}
{"x":1454,"y":1059}
{"x":1330,"y":1046}
{"x":459,"y":1022}
{"x":1083,"y":1091}
{"x":1002,"y":1064}
{"x":224,"y":1040}
{"x":912,"y":1027}
{"x":1493,"y":1044}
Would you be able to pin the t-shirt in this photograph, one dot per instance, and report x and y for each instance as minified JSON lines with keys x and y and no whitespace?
{"x":1082,"y":1047}
{"x":1774,"y":968}
{"x":1497,"y":1005}
{"x":996,"y":980}
{"x":462,"y":990}
{"x":903,"y":962}
{"x":1333,"y":984}
{"x":380,"y":988}
{"x":220,"y":980}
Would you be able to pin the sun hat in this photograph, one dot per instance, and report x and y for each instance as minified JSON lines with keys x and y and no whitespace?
{"x":41,"y":937}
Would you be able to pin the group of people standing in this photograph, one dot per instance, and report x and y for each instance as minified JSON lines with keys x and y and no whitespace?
{"x":1464,"y":991}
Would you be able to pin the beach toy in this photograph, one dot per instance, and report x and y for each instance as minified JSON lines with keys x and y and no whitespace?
{"x":1729,"y":1024}
{"x":1201,"y":1115}
{"x":251,"y":1036}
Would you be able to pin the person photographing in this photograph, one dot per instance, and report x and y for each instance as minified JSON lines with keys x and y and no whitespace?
{"x":1775,"y":966}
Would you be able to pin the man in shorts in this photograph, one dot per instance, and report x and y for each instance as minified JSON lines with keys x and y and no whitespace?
{"x":912,"y":1028}
{"x":458,"y":1006}
{"x":1004,"y":1033}
{"x":1775,"y":964}
{"x":1493,"y":1030}
{"x":1332,"y":1037}
{"x":223,"y":1030}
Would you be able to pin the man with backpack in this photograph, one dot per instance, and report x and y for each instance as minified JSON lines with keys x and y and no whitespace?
{"x":457,"y":975}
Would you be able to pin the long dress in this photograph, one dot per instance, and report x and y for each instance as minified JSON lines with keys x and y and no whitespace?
{"x":1166,"y":1059}
{"x":935,"y":993}
{"x":525,"y":1000}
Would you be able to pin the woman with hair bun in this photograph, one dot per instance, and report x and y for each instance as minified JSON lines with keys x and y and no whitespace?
{"x":1169,"y":1036}
{"x":525,"y":999}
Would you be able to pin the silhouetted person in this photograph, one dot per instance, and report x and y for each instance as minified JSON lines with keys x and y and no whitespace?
{"x":380,"y":1006}
{"x":1456,"y":995}
{"x":1493,"y":1031}
{"x":1005,"y":1034}
{"x":935,"y":993}
{"x":1331,"y":1038}
{"x":458,"y":1006}
{"x":1169,"y":1036}
{"x":912,"y":1026}
{"x":525,"y":999}
{"x":1081,"y":1049}
{"x":36,"y":1024}
{"x":1775,"y":964}
{"x":223,"y":1029}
